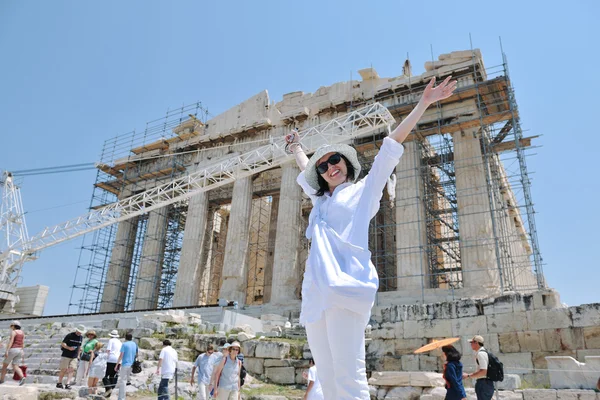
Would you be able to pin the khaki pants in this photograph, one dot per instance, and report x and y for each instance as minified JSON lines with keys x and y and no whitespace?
{"x":225,"y":394}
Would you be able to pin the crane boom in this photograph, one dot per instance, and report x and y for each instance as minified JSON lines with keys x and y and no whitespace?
{"x":360,"y":122}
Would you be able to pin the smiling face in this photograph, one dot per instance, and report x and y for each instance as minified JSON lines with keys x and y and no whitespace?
{"x":336,"y":174}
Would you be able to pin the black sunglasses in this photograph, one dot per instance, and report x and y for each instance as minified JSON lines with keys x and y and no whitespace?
{"x":333,"y":159}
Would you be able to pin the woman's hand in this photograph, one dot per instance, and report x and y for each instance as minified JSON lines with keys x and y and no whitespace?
{"x":440,"y":92}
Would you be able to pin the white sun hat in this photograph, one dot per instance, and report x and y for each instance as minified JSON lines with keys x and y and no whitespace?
{"x":311,"y":174}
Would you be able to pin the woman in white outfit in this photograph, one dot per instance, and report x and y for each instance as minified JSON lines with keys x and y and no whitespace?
{"x":340,"y":282}
{"x":96,"y":367}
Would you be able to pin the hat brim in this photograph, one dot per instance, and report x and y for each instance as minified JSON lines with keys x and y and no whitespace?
{"x":311,"y":174}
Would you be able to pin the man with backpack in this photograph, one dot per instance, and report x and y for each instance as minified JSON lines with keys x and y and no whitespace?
{"x":489,"y":370}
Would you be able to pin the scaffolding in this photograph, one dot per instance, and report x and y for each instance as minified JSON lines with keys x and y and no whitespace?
{"x":433,"y":202}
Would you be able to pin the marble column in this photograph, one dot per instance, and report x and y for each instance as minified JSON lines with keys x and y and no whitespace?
{"x":285,"y":275}
{"x":150,"y":270}
{"x":116,"y":283}
{"x":235,"y":263}
{"x":191,"y":270}
{"x":477,"y":243}
{"x":411,"y":228}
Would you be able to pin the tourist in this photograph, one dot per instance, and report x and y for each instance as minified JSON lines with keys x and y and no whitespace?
{"x":84,"y":358}
{"x":71,"y":347}
{"x":205,"y":365}
{"x":455,"y":389}
{"x":484,"y":387}
{"x":167,"y":367}
{"x":96,"y":366}
{"x":314,"y":390}
{"x":340,"y":281}
{"x":227,"y":384}
{"x":14,"y":352}
{"x":129,"y":351}
{"x":114,"y":350}
{"x":223,"y":353}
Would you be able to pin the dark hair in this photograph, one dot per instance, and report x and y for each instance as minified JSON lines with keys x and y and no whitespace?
{"x":324,"y":186}
{"x":311,"y":361}
{"x":166,"y":342}
{"x":16,"y":326}
{"x":451,"y":353}
{"x":128,"y":336}
{"x":210,"y":347}
{"x":222,"y":342}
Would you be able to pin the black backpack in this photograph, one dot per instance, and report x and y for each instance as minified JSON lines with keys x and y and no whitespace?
{"x":242,"y":375}
{"x":495,"y":369}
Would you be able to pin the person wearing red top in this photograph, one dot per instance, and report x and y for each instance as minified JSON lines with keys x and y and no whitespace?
{"x":14,"y":350}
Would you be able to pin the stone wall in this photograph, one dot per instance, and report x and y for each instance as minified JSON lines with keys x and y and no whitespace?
{"x":522,"y":329}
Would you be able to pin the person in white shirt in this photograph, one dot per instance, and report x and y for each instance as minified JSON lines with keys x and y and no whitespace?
{"x":484,"y":387}
{"x":167,"y":367}
{"x":114,"y":350}
{"x":314,"y":390}
{"x":340,"y":281}
{"x":205,"y":365}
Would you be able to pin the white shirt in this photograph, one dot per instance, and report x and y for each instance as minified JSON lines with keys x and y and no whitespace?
{"x":114,"y":347}
{"x":339,"y":271}
{"x":316,"y":392}
{"x":482,"y":359}
{"x":168,"y":355}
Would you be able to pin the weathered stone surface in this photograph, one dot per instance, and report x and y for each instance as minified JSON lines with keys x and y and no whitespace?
{"x":249,"y":348}
{"x":470,"y":326}
{"x":529,"y":341}
{"x":549,"y":319}
{"x":428,"y":363}
{"x":383,"y":333}
{"x":255,"y":366}
{"x":437,"y":328}
{"x":467,"y":308}
{"x":410,"y":362}
{"x":576,"y":395}
{"x":10,"y":392}
{"x":277,"y":363}
{"x":413,"y":329}
{"x":272,"y":349}
{"x":515,"y":322}
{"x":281,"y":375}
{"x":392,"y":363}
{"x":110,"y":324}
{"x":404,"y":393}
{"x":150,"y":343}
{"x":141,"y":332}
{"x":266,"y":397}
{"x":510,"y":382}
{"x":509,"y":342}
{"x":243,"y":336}
{"x":436,"y":393}
{"x":539,"y":358}
{"x":407,"y":346}
{"x":500,"y":305}
{"x":155,"y":325}
{"x":426,"y":379}
{"x":390,"y":378}
{"x":586,"y":315}
{"x":516,"y":363}
{"x":510,"y":395}
{"x":539,"y":394}
{"x":592,"y":337}
{"x":550,"y":339}
{"x":379,"y":348}
{"x":572,"y":339}
{"x":566,"y":373}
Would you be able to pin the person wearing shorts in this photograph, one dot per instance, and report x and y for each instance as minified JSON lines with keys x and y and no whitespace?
{"x":96,"y":367}
{"x":14,"y":352}
{"x":71,"y":347}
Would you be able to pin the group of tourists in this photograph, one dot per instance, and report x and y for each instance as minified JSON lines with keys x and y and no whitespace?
{"x":221,"y":373}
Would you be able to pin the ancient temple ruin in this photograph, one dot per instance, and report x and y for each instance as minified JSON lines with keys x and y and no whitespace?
{"x":460,"y":223}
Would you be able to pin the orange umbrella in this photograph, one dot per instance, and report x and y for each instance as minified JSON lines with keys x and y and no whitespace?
{"x":436,"y":344}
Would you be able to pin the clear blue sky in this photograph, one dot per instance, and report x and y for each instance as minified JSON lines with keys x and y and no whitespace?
{"x":73,"y":74}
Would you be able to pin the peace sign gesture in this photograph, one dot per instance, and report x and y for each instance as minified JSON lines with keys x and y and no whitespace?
{"x":440,"y":92}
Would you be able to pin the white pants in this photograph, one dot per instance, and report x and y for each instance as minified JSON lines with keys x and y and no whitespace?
{"x":124,"y":375}
{"x":80,"y":378}
{"x":203,"y":393}
{"x":225,"y":394}
{"x":337,"y":343}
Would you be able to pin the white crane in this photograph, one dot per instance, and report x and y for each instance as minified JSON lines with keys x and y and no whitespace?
{"x":20,"y":248}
